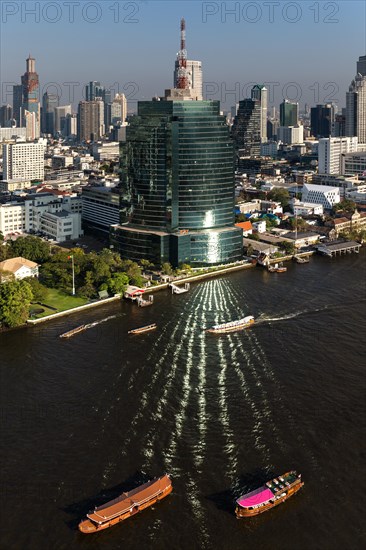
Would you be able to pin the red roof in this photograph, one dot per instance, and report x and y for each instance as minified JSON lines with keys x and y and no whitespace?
{"x":246,"y":226}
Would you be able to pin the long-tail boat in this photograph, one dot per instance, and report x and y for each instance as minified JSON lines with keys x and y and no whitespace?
{"x":142,"y":329}
{"x":271,"y":494}
{"x":126,"y":505}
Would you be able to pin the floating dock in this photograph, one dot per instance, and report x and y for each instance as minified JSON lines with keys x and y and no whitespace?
{"x":339,"y":248}
{"x":178,"y":289}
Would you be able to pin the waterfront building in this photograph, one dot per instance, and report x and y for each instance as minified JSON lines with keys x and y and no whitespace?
{"x":330,"y":152}
{"x":246,"y":129}
{"x":260,"y":92}
{"x":320,"y":194}
{"x":289,"y":113}
{"x":177,"y":188}
{"x":19,"y":267}
{"x":23,"y":162}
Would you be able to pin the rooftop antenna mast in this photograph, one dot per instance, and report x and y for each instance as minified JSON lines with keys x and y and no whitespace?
{"x":182,"y":58}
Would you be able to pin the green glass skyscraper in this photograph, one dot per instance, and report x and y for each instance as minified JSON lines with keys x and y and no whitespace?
{"x":178,"y":186}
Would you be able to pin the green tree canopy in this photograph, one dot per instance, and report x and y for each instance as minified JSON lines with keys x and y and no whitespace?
{"x":166,"y":268}
{"x":31,"y":248}
{"x":39,"y":291}
{"x":281,"y":195}
{"x":15,"y":299}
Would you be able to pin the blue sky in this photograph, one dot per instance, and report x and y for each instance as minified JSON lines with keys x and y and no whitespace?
{"x":314,"y":45}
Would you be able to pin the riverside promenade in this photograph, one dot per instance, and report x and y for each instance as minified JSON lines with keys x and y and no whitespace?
{"x":155,"y":288}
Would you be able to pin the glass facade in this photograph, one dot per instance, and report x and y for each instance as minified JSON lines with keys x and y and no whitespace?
{"x":177,"y":172}
{"x":246,"y":129}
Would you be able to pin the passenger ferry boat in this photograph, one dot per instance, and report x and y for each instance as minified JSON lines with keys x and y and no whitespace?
{"x":126,"y":505}
{"x":233,"y":325}
{"x":269,"y":495}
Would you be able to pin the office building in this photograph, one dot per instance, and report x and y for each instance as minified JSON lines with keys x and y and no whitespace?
{"x":353,"y":164}
{"x":246,"y":129}
{"x":90,"y":120}
{"x":6,"y":115}
{"x":17,"y":103}
{"x":71,"y":125}
{"x":289,"y":113}
{"x":290,"y":135}
{"x":61,"y":113}
{"x":195,"y":79}
{"x":31,"y":110}
{"x":23,"y":162}
{"x":100,"y":207}
{"x":356,"y":109}
{"x":320,"y":194}
{"x":49,"y":104}
{"x":260,"y":92}
{"x":361,"y":65}
{"x":322,"y":120}
{"x":330,"y":152}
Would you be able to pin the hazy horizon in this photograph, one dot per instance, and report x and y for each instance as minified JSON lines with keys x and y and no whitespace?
{"x":306,"y":51}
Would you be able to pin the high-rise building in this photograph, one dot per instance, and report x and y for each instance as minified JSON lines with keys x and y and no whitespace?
{"x":195,"y":79}
{"x":23,"y":161}
{"x":260,"y":92}
{"x":356,"y":109}
{"x":289,"y":113}
{"x":90,"y":120}
{"x":93,"y":90}
{"x":246,"y":129}
{"x":17,"y":103}
{"x":71,"y":125}
{"x":339,"y":127}
{"x":120,"y":100}
{"x":31,"y":104}
{"x":330,"y":152}
{"x":322,"y":120}
{"x":177,"y":189}
{"x":361,"y":65}
{"x":291,"y":135}
{"x":6,"y":115}
{"x":61,"y":113}
{"x":49,"y":104}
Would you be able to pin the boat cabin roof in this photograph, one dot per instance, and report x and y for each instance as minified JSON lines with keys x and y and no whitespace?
{"x":126,"y":501}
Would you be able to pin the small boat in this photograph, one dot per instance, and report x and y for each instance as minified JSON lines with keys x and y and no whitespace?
{"x":74,"y":331}
{"x":233,"y":325}
{"x":142,"y":329}
{"x":281,"y":269}
{"x":302,"y":260}
{"x":126,"y":505}
{"x":271,"y":494}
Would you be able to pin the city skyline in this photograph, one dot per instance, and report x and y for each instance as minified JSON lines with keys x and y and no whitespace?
{"x":309,"y":73}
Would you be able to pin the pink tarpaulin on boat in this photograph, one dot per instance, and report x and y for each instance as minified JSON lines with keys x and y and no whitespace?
{"x":255,"y":497}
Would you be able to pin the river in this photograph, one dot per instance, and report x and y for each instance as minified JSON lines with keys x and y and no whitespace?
{"x":85,"y":418}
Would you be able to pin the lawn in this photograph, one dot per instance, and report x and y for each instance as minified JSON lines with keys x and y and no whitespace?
{"x":58,"y":301}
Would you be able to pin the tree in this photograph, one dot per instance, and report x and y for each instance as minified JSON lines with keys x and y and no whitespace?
{"x":166,"y":268}
{"x":118,"y":283}
{"x":87,"y":290}
{"x":31,"y":248}
{"x":146,"y":264}
{"x":298,"y":223}
{"x":15,"y":299}
{"x":39,"y":291}
{"x":346,"y":205}
{"x":281,"y":195}
{"x":288,"y":247}
{"x":134,"y":274}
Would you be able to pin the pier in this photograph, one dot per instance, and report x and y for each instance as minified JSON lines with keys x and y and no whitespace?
{"x":339,"y":248}
{"x":141,"y":302}
{"x":178,"y":289}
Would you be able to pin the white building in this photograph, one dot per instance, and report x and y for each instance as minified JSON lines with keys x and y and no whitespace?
{"x":7,"y":134}
{"x":106,"y":151}
{"x":357,"y":194}
{"x":19,"y":267}
{"x":260,"y":226}
{"x":306,"y":209}
{"x":56,"y":217}
{"x":356,"y":109}
{"x":119,"y":108}
{"x":23,"y":162}
{"x":330,"y":153}
{"x":320,"y":194}
{"x":289,"y":135}
{"x":61,"y":114}
{"x":195,"y":81}
{"x":353,"y":164}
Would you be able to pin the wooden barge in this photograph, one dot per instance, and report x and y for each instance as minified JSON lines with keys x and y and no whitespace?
{"x":74,"y":331}
{"x":126,"y":505}
{"x":271,"y":494}
{"x":142,"y":329}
